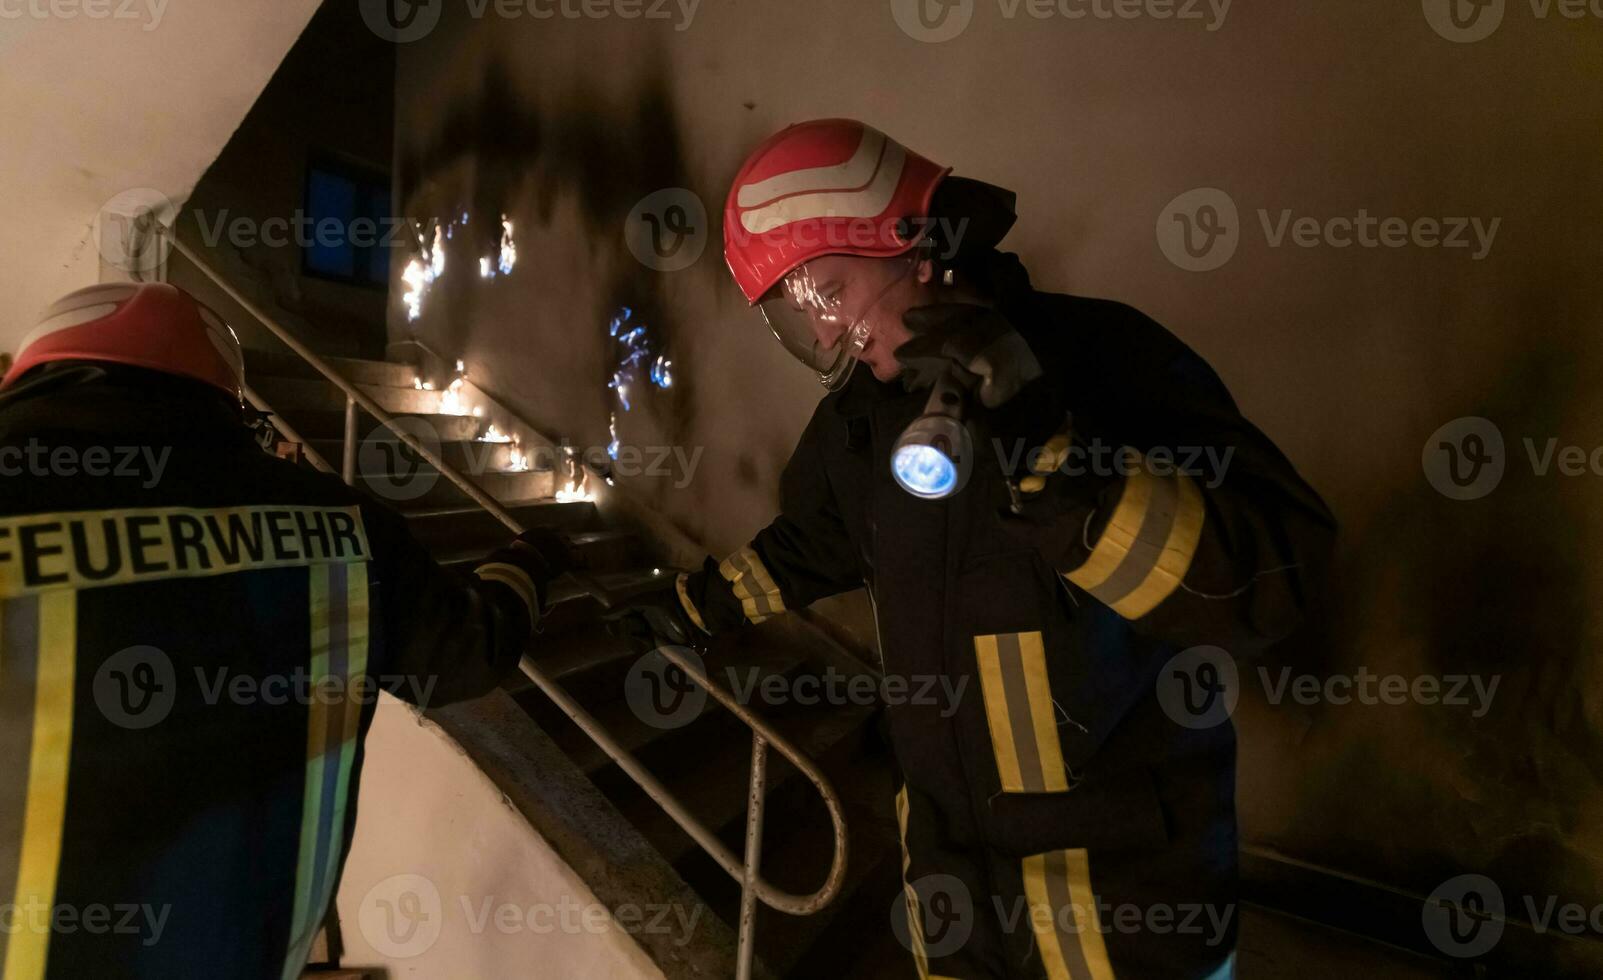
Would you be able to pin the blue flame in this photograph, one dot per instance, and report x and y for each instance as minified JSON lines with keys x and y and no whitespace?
{"x":638,"y":358}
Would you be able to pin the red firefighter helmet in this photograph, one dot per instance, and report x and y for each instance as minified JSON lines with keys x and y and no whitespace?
{"x":826,"y":187}
{"x":150,"y":325}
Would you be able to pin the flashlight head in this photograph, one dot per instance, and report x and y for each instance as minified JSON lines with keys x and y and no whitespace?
{"x":932,"y":457}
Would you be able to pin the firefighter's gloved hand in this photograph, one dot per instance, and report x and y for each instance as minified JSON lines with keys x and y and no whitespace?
{"x":978,"y":340}
{"x":1052,"y":500}
{"x":654,"y":618}
{"x":527,"y":565}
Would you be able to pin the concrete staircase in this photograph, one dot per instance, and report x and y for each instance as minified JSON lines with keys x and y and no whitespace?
{"x":624,"y":846}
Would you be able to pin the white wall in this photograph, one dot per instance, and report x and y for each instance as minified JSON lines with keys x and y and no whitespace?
{"x":142,"y":95}
{"x":445,"y":881}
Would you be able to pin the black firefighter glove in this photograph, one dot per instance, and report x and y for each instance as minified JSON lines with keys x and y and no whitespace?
{"x":1056,"y":496}
{"x":1053,"y":486}
{"x":1019,"y":406}
{"x":527,"y":565}
{"x":655,"y":617}
{"x":976,"y":342}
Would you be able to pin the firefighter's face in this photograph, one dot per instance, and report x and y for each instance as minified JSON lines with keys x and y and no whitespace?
{"x":876,"y":291}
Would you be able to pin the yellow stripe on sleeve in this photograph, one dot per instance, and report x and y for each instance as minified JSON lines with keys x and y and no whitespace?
{"x":1148,"y":544}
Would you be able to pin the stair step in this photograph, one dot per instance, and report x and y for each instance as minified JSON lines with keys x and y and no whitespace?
{"x":316,"y":424}
{"x":426,"y":487}
{"x":282,"y":364}
{"x":580,"y":651}
{"x":291,"y":396}
{"x":464,"y":528}
{"x":466,"y":455}
{"x":605,"y":551}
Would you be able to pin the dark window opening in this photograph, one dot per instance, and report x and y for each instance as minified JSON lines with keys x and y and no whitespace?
{"x":348,"y":227}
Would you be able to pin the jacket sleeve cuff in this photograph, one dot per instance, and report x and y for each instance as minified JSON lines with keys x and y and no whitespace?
{"x":516,"y":579}
{"x":709,"y":599}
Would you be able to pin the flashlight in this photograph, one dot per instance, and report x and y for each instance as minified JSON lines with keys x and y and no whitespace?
{"x":930,"y":455}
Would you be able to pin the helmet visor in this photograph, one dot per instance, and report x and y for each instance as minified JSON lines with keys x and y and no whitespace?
{"x":822,"y":320}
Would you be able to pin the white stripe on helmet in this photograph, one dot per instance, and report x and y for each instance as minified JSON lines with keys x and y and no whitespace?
{"x":853,"y":173}
{"x":78,"y":308}
{"x":866,"y":202}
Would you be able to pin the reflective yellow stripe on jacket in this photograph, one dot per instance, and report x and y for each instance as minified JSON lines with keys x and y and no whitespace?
{"x":339,"y":634}
{"x":1149,"y":542}
{"x":1019,"y":710}
{"x":1063,"y":915}
{"x":38,"y":660}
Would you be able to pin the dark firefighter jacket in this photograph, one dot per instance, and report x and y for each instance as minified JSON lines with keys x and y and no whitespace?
{"x":192,"y":632}
{"x":1059,"y":744}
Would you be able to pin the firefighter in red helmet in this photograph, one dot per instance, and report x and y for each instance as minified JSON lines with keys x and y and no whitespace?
{"x":1060,"y":801}
{"x":133,"y":780}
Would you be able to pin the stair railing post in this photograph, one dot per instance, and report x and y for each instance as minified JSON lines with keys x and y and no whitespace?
{"x":746,"y":950}
{"x":348,"y":467}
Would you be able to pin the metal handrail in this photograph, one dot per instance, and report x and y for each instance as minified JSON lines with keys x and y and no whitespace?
{"x":753,"y":887}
